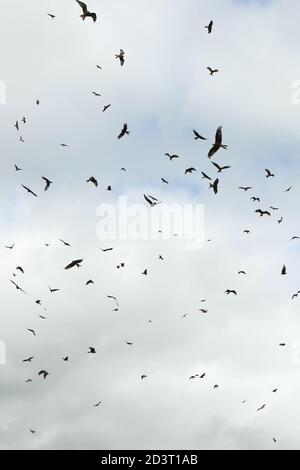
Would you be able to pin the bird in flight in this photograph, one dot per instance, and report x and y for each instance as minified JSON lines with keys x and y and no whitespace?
{"x":262,"y":213}
{"x":65,"y":243}
{"x":93,"y":180}
{"x":220,"y":168}
{"x":215,"y":186}
{"x":31,"y":331}
{"x":284,"y":271}
{"x":48,"y":183}
{"x":17,"y":125}
{"x":91,"y":350}
{"x":124,"y":131}
{"x":262,"y":408}
{"x":17,"y":287}
{"x":209,"y":26}
{"x":17,"y":168}
{"x":269,"y":174}
{"x":164,"y":181}
{"x":89,"y":282}
{"x":198,"y":136}
{"x":85,"y":12}
{"x":74,"y":263}
{"x":106,"y":249}
{"x":228,"y":291}
{"x":19,"y":268}
{"x":29,"y":359}
{"x":245,"y":188}
{"x":218,"y":143}
{"x":212,"y":71}
{"x":97,"y":404}
{"x":10,"y":247}
{"x":29,"y":190}
{"x":151,"y":201}
{"x":189,"y":170}
{"x":52,"y":291}
{"x":205,"y":176}
{"x":121,"y":57}
{"x":143,"y":377}
{"x":51,"y":16}
{"x":171,"y":157}
{"x":96,"y":94}
{"x":44,"y":373}
{"x":255,"y":199}
{"x":106,"y":107}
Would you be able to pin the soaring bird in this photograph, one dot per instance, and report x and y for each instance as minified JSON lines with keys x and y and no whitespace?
{"x":51,"y":16}
{"x":218,"y":143}
{"x":280,"y":220}
{"x":48,"y":183}
{"x":164,"y":181}
{"x":93,"y":180}
{"x":21,"y":139}
{"x":19,"y":268}
{"x":106,"y":249}
{"x":143,"y":377}
{"x":74,"y":263}
{"x":44,"y":373}
{"x":151,"y":202}
{"x":17,"y":287}
{"x":171,"y":157}
{"x":89,"y":282}
{"x":52,"y":291}
{"x":220,"y":168}
{"x":113,"y":298}
{"x":262,"y":407}
{"x":205,"y":176}
{"x":262,"y":213}
{"x":29,"y":359}
{"x":228,"y":291}
{"x":198,"y":136}
{"x":65,"y":243}
{"x":212,"y":71}
{"x":269,"y":174}
{"x":31,"y":331}
{"x":85,"y":12}
{"x":209,"y":26}
{"x":97,"y":404}
{"x":10,"y":247}
{"x":17,"y":168}
{"x":215,"y":186}
{"x":145,"y":272}
{"x":245,"y":188}
{"x":17,"y":125}
{"x":106,"y":107}
{"x":121,"y":57}
{"x":124,"y":131}
{"x":96,"y":94}
{"x":255,"y":199}
{"x":189,"y":170}
{"x":29,"y":190}
{"x":295,"y":238}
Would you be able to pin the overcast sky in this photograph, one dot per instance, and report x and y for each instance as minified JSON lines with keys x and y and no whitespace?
{"x":163,"y":92}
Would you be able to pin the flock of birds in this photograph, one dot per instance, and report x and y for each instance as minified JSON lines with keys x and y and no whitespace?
{"x":213,"y":184}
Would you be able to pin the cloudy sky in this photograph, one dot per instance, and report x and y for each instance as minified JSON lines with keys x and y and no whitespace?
{"x":163,"y":92}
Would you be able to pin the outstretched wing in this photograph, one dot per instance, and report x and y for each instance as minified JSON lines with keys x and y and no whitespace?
{"x":218,"y":140}
{"x":213,"y":150}
{"x":83,"y":6}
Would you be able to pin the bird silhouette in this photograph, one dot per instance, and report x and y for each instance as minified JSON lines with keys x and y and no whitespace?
{"x":123,"y":132}
{"x":218,"y":143}
{"x":85,"y":12}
